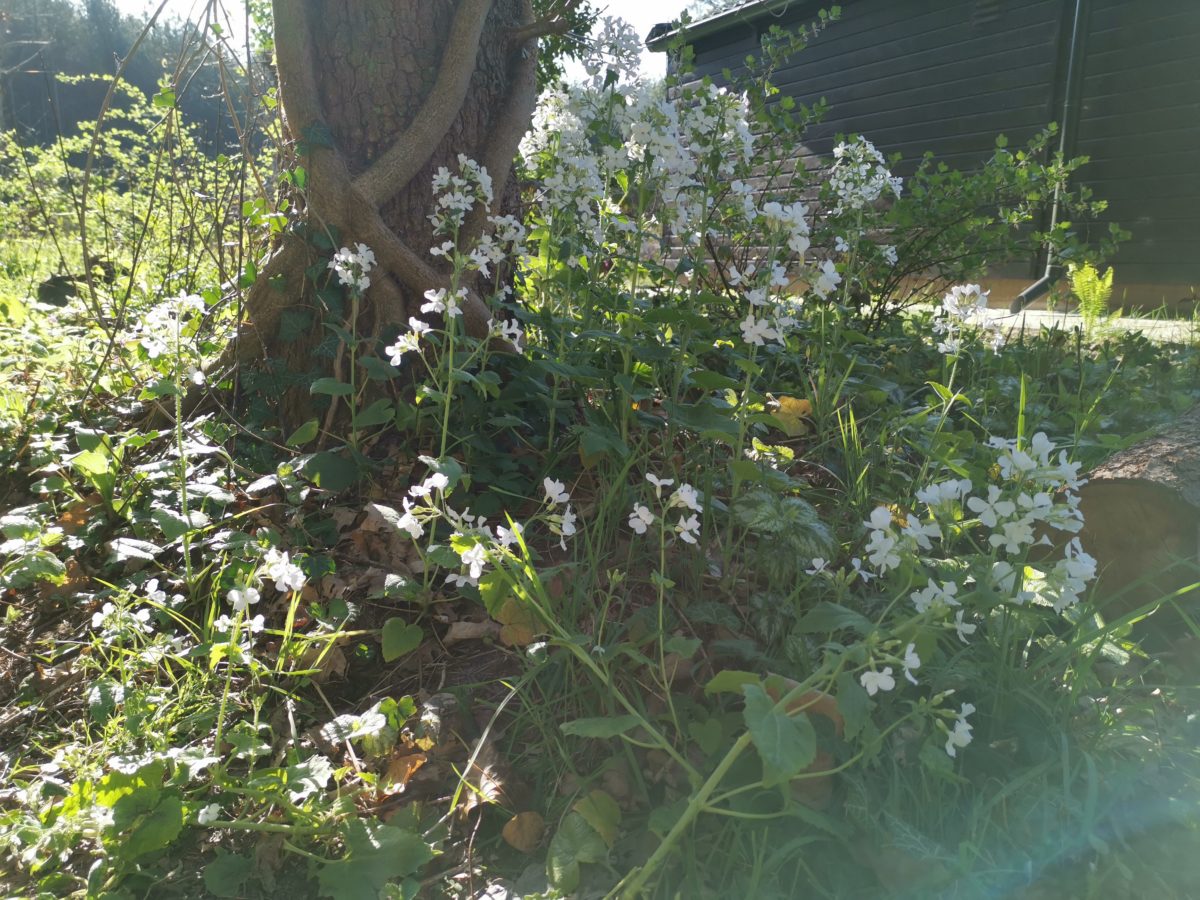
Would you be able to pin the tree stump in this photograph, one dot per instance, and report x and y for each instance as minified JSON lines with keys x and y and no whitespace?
{"x":1141,"y":510}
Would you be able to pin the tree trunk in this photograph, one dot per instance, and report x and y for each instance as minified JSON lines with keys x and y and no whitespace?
{"x":377,"y":94}
{"x":1141,"y":512}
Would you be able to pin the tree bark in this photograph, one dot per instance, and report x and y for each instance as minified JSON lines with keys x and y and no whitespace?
{"x":1141,"y":510}
{"x":377,"y":95}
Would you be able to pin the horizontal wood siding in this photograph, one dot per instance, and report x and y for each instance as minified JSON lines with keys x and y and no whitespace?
{"x":1140,"y":125}
{"x":948,"y":76}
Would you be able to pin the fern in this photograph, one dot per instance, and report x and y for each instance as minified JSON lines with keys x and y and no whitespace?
{"x":1093,"y":291}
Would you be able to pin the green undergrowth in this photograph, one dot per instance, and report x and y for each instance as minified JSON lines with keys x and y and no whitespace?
{"x":690,"y":580}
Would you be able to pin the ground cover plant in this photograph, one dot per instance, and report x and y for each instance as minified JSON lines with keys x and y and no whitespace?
{"x":714,"y":565}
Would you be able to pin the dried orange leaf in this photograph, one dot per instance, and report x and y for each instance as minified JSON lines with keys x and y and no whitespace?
{"x":524,"y":831}
{"x":401,"y":769}
{"x":791,"y":415}
{"x":518,"y":621}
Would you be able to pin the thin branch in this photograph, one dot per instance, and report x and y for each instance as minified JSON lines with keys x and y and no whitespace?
{"x":392,"y":172}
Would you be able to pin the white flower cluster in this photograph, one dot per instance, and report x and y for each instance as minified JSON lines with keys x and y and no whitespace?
{"x":455,"y":195}
{"x":667,"y":141}
{"x":860,"y":175}
{"x":165,"y":324}
{"x":475,"y":541}
{"x":277,"y":567}
{"x":115,"y":622}
{"x":352,"y":266}
{"x":685,"y":498}
{"x":614,"y":46}
{"x":965,"y":307}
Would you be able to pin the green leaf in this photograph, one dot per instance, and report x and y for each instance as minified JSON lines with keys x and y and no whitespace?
{"x":378,"y":413}
{"x":400,"y":638}
{"x":331,"y":386}
{"x":225,"y":875}
{"x":731,"y":681}
{"x":375,"y":854}
{"x":787,"y":744}
{"x":124,"y":549}
{"x":330,"y":471}
{"x":173,"y":525}
{"x":156,"y":830}
{"x":600,"y":726}
{"x":164,"y":99}
{"x":853,"y":704}
{"x":826,"y":617}
{"x":574,"y":843}
{"x":602,"y":813}
{"x":304,"y":433}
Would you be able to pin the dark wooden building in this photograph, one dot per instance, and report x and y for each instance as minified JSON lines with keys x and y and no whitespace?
{"x":1122,"y":77}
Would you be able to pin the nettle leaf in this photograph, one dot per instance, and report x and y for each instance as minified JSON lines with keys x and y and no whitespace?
{"x":574,"y":843}
{"x":375,"y":854}
{"x":787,"y":744}
{"x":600,"y":727}
{"x":400,"y":638}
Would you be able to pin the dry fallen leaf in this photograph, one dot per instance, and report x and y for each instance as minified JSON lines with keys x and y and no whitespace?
{"x":792,"y":415}
{"x":524,"y":831}
{"x":401,"y":769}
{"x":520,"y":624}
{"x":470,"y":631}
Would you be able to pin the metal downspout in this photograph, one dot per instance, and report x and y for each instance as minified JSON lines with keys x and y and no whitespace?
{"x":1072,"y":106}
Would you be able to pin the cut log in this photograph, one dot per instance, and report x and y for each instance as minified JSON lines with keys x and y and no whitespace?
{"x":1141,"y":513}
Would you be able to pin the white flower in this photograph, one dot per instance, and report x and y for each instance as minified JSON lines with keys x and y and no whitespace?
{"x":556,"y":491}
{"x":641,"y":518}
{"x":105,"y":611}
{"x":921,"y":532}
{"x":435,"y":482}
{"x":960,"y":735}
{"x":758,"y":331}
{"x":436,"y":301}
{"x":279,"y":568}
{"x":408,"y":522}
{"x":933,"y":594}
{"x":963,"y":628}
{"x":857,"y":565}
{"x":506,"y":538}
{"x":912,"y":662}
{"x":243,"y":597}
{"x":208,"y":814}
{"x":687,"y":497}
{"x":874,"y":682}
{"x":257,"y":624}
{"x":405,"y":343}
{"x":818,"y":566}
{"x":688,"y":528}
{"x":659,"y":483}
{"x":992,"y":510}
{"x":461,"y":580}
{"x":418,"y":327}
{"x":475,"y":558}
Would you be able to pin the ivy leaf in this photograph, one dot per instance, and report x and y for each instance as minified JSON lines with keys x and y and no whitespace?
{"x":375,"y":854}
{"x":787,"y":744}
{"x":400,"y":638}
